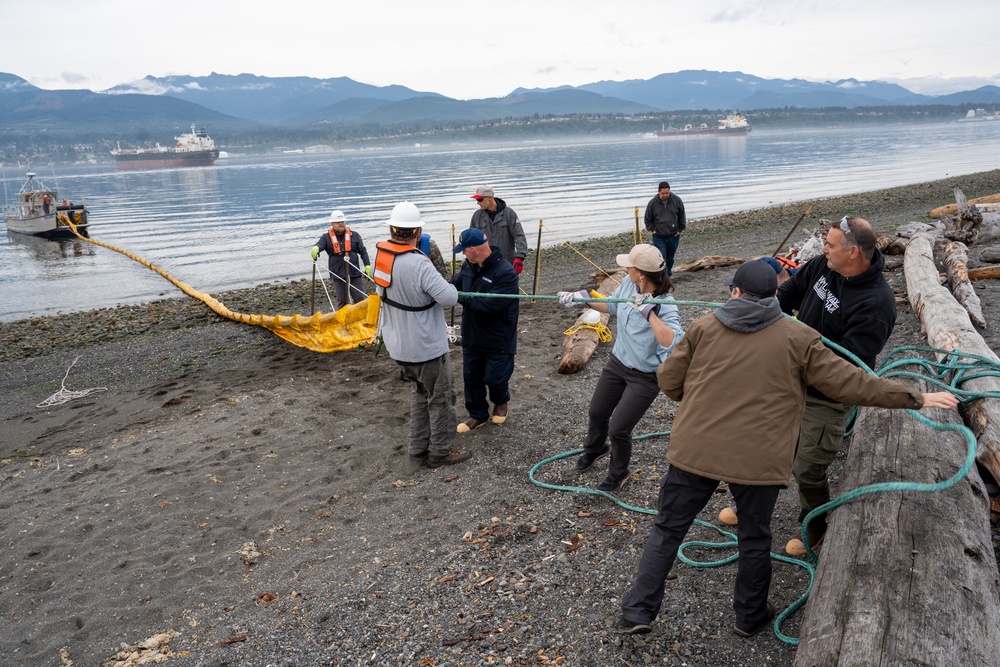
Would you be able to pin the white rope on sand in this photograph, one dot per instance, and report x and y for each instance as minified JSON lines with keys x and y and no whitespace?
{"x":64,"y":395}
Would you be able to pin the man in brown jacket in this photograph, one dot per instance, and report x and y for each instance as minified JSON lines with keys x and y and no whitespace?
{"x":740,"y":375}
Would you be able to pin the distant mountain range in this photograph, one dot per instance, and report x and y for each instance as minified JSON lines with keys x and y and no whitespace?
{"x":246,"y":101}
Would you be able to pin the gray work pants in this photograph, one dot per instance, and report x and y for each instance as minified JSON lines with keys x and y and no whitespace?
{"x":433,"y":419}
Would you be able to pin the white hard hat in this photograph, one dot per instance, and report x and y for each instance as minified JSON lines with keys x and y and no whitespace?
{"x":590,"y":316}
{"x":405,"y":216}
{"x":338,"y":216}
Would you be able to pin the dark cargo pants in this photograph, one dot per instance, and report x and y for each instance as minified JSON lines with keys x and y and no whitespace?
{"x":682,"y":496}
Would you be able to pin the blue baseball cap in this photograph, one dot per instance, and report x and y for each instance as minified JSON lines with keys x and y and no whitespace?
{"x":470,"y":238}
{"x":773,"y":263}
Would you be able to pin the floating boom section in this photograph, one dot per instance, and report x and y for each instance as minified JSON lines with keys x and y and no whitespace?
{"x":350,"y":327}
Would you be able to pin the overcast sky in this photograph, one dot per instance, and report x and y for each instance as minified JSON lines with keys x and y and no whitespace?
{"x":470,"y":50}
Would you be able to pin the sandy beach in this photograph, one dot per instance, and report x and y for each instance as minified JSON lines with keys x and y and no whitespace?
{"x":254,"y":500}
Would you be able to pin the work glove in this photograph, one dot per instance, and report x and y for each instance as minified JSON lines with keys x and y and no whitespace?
{"x":518,"y":265}
{"x":566,"y":298}
{"x":368,"y":270}
{"x":640,"y":299}
{"x":649,"y":310}
{"x":314,"y":252}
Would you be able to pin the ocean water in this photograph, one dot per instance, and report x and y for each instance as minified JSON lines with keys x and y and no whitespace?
{"x":248,"y":221}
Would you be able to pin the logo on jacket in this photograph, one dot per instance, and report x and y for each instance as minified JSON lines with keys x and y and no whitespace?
{"x":830,"y":301}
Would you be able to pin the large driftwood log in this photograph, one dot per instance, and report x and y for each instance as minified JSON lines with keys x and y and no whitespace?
{"x":956,"y":262}
{"x":708,"y":262}
{"x":948,"y":328}
{"x":579,"y":347}
{"x":951,"y":209}
{"x":984,"y":272}
{"x":905,"y":578}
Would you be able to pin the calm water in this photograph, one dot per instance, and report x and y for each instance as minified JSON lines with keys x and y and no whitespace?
{"x":248,"y":221}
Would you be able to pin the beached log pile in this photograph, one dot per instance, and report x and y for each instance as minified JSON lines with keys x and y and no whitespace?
{"x":894,"y":565}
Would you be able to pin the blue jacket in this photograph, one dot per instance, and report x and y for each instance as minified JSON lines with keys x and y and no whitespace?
{"x":489,"y":326}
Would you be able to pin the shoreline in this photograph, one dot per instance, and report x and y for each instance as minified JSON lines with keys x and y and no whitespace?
{"x":134,"y":510}
{"x":720,"y":235}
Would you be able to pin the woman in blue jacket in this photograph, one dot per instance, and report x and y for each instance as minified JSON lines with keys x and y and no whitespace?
{"x":627,"y":386}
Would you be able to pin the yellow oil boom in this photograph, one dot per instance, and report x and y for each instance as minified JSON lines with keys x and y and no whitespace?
{"x":350,"y":327}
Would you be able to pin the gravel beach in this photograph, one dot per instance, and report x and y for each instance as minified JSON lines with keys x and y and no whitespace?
{"x":252,"y":503}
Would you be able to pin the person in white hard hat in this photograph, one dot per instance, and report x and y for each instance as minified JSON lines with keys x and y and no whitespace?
{"x":344,"y":247}
{"x":414,"y":331}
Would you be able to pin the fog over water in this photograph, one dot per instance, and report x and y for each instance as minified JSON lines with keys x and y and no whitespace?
{"x":247,"y":221}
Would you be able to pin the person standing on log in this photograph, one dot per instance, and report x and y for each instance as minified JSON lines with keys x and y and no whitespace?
{"x":739,"y":376}
{"x":844,"y":296}
{"x":501,"y":226}
{"x":489,"y":329}
{"x":627,"y":385}
{"x":666,"y":219}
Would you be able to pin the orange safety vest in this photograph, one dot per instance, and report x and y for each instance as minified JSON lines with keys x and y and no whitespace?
{"x":336,"y":243}
{"x":386,"y":253}
{"x":787,"y":263}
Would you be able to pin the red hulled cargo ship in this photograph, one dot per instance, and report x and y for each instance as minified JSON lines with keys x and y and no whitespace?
{"x":195,"y":149}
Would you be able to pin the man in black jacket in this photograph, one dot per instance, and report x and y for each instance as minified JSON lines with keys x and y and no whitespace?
{"x":845,"y":297}
{"x":489,"y":329}
{"x":666,"y":219}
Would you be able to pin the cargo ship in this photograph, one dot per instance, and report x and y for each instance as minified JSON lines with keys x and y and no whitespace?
{"x":195,"y":149}
{"x":732,"y":124}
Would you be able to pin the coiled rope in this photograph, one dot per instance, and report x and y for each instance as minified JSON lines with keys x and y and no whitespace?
{"x":943,"y":374}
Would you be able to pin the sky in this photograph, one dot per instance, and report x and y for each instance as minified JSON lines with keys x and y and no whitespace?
{"x":473,"y":50}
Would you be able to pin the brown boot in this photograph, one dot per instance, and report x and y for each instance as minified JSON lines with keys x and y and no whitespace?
{"x":453,"y":457}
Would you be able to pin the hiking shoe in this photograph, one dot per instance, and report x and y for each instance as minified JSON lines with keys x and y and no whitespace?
{"x":470,"y":424}
{"x":587,"y":459}
{"x":611,"y":484}
{"x":750,"y":632}
{"x":499,"y":414}
{"x":454,"y":456}
{"x":623,"y":626}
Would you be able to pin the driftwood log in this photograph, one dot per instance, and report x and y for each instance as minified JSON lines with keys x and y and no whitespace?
{"x":956,"y":262}
{"x":709,"y":262}
{"x":905,"y":578}
{"x":948,"y":328}
{"x":951,"y":209}
{"x":984,"y":272}
{"x":579,"y":347}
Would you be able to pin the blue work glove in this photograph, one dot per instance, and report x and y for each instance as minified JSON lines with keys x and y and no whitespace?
{"x":314,"y":252}
{"x":566,"y":298}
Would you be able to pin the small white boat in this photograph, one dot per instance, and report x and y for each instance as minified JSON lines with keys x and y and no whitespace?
{"x":38,"y":211}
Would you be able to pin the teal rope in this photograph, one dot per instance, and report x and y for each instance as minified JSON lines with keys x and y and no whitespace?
{"x":935,"y":374}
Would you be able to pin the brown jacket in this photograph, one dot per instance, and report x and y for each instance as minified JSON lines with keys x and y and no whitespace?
{"x":742,"y":394}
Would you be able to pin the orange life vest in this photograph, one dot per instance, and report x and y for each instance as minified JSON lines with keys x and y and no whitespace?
{"x":336,"y":243}
{"x":386,"y":253}
{"x":787,"y":263}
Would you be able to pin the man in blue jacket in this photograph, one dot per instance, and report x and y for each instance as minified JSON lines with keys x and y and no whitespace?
{"x":489,"y":329}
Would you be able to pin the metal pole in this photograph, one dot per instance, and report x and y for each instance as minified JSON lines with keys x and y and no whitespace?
{"x":453,"y":244}
{"x":538,"y":260}
{"x":313,"y":311}
{"x":792,"y":230}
